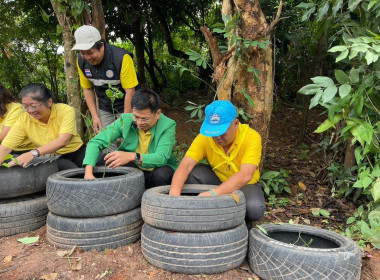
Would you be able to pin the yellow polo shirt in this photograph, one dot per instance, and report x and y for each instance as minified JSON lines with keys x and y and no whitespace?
{"x":143,"y":146}
{"x":246,"y":149}
{"x":128,"y":77}
{"x":61,"y":121}
{"x":9,"y":119}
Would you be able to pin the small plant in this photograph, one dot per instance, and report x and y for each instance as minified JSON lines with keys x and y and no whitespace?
{"x":320,"y":212}
{"x":196,"y":111}
{"x":274,"y":181}
{"x":9,"y":157}
{"x":277,"y":203}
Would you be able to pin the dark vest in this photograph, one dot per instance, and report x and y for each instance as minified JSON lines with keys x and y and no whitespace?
{"x":107,"y":72}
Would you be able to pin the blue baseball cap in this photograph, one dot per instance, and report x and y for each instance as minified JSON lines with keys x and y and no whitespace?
{"x":219,"y":115}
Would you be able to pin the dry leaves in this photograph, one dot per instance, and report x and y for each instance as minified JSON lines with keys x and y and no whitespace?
{"x":8,"y":259}
{"x":302,"y":186}
{"x":50,"y":276}
{"x":62,"y":253}
{"x":76,"y":265}
{"x":152,"y":274}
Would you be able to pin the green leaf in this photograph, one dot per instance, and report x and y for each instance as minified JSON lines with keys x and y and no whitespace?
{"x":338,"y":4}
{"x":341,"y":76}
{"x":364,"y":228}
{"x":352,"y":4}
{"x":328,"y":123}
{"x":342,"y":56}
{"x":28,"y":240}
{"x":305,"y":5}
{"x":315,"y":212}
{"x":315,"y":100}
{"x":325,"y":213}
{"x":376,"y":190}
{"x":354,"y":75}
{"x":344,"y":90}
{"x":269,"y":175}
{"x":309,"y":89}
{"x":374,"y":215}
{"x":350,"y":220}
{"x":248,"y":97}
{"x":366,"y":132}
{"x":338,"y":49}
{"x":329,"y":93}
{"x":262,"y":229}
{"x":322,"y":11}
{"x":307,"y":14}
{"x":323,"y":81}
{"x":359,"y":106}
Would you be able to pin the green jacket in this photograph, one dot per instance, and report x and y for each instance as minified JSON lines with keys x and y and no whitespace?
{"x":160,"y":147}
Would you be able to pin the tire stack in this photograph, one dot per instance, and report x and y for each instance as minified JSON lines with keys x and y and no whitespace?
{"x":22,"y":195}
{"x":94,"y":214}
{"x":191,"y":234}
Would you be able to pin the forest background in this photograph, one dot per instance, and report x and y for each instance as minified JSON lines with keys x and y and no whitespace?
{"x":321,"y":54}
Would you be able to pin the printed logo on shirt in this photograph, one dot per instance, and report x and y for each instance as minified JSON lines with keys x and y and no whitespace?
{"x":110,"y":74}
{"x":88,"y":73}
{"x":215,"y":118}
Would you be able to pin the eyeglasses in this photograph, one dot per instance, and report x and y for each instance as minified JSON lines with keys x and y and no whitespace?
{"x":141,"y":120}
{"x":31,"y":107}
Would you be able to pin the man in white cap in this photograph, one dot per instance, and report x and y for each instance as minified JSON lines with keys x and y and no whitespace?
{"x":233,"y":151}
{"x":100,"y":65}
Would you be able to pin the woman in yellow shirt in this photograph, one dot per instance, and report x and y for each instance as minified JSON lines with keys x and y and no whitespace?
{"x":50,"y":127}
{"x":9,"y":111}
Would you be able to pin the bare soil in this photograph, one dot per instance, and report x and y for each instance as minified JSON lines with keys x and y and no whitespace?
{"x":308,"y":177}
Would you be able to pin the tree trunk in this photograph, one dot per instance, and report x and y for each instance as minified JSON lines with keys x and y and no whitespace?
{"x":98,"y":20}
{"x":72,"y":79}
{"x":233,"y":74}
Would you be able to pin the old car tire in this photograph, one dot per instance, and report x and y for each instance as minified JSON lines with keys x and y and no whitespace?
{"x":191,"y":213}
{"x":195,"y":253}
{"x":319,"y":254}
{"x":22,"y":214}
{"x":18,"y":181}
{"x":69,"y":195}
{"x":94,"y":233}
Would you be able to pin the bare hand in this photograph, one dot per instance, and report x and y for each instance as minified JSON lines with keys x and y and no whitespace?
{"x":205,"y":194}
{"x":89,"y":176}
{"x":96,"y":123}
{"x":118,"y":158}
{"x":174,"y":193}
{"x":23,"y":160}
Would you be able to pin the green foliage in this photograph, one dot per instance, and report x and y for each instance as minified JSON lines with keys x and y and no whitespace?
{"x":179,"y":151}
{"x":352,"y":102}
{"x":275,"y":182}
{"x":196,"y":111}
{"x":320,"y":212}
{"x":277,"y":202}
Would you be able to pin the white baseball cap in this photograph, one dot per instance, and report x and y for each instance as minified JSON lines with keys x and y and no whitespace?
{"x":85,"y":37}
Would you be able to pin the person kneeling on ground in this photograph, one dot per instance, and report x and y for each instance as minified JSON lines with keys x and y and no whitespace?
{"x":233,"y":151}
{"x":148,"y":140}
{"x":50,"y":127}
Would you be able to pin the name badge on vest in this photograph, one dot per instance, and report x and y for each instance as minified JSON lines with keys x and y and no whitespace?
{"x":110,"y":74}
{"x":88,"y":73}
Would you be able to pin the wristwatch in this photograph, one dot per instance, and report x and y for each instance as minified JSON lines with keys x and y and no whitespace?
{"x":137,"y":159}
{"x":35,"y":153}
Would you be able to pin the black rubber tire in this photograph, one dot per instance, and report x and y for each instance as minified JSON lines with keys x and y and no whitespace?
{"x":95,"y":233}
{"x":17,"y":181}
{"x":195,"y":253}
{"x":69,"y":195}
{"x":192,"y":213}
{"x":22,"y":214}
{"x":329,"y":255}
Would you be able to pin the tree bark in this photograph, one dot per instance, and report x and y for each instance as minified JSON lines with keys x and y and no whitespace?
{"x":98,"y":20}
{"x":231,"y":72}
{"x":72,"y":79}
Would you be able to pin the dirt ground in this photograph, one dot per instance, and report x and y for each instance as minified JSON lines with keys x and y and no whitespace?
{"x":305,"y":164}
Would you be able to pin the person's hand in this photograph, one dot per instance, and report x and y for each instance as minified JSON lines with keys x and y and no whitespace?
{"x":89,"y":176}
{"x":174,"y":193}
{"x":205,"y":194}
{"x":119,"y":158}
{"x":96,"y":123}
{"x":23,"y":160}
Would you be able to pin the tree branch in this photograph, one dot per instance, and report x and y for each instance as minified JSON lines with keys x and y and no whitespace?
{"x":276,"y":20}
{"x":213,"y":45}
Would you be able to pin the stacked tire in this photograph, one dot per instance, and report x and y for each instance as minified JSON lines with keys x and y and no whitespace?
{"x":94,"y":214}
{"x":23,"y":205}
{"x":191,"y":234}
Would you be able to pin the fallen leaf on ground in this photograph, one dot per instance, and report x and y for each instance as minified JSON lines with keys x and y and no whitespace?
{"x":28,"y":240}
{"x":76,"y":265}
{"x":153,"y":273}
{"x":8,"y":259}
{"x":62,"y":253}
{"x":302,"y":186}
{"x":50,"y":276}
{"x":279,"y":210}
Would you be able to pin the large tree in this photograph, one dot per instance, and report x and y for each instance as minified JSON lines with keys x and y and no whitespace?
{"x":244,"y":72}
